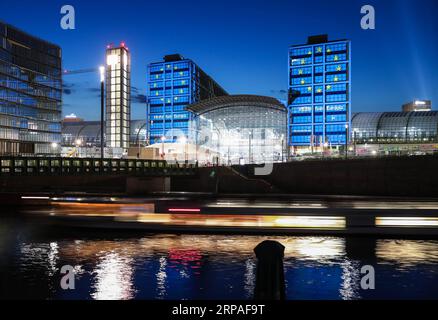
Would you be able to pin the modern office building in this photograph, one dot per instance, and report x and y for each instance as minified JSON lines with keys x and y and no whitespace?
{"x":30,"y":94}
{"x":118,"y":96}
{"x":173,"y":84}
{"x":417,"y":105}
{"x":241,"y":128}
{"x":320,"y":84}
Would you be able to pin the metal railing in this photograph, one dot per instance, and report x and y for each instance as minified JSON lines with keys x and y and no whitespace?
{"x":17,"y":166}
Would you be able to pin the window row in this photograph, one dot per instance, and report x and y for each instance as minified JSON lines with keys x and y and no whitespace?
{"x":331,"y":108}
{"x":23,"y":99}
{"x":329,"y":98}
{"x":175,"y":116}
{"x":162,"y":76}
{"x":303,"y":61}
{"x":170,"y":92}
{"x":168,"y":101}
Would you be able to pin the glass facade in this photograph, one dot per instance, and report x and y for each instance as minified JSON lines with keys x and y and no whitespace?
{"x":172,"y":85}
{"x":242,"y":129}
{"x":88,"y":133}
{"x":320,"y":81}
{"x":395,"y":127}
{"x":118,"y":97}
{"x":138,"y":134}
{"x":30,"y":94}
{"x":85,"y":132}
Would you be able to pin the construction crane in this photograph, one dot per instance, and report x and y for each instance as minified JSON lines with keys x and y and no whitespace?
{"x":70,"y":72}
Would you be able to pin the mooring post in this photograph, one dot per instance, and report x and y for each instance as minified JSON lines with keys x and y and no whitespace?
{"x":270,"y":273}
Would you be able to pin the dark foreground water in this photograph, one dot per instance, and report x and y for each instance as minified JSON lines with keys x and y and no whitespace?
{"x":114,"y":266}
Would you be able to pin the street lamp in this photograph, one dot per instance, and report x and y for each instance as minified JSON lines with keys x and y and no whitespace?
{"x":354,"y":141}
{"x":183,"y":141}
{"x":346,"y":141}
{"x":78,"y":143}
{"x":249,"y":147}
{"x":54,"y":146}
{"x":282,"y":148}
{"x":102,"y":111}
{"x":163,"y":138}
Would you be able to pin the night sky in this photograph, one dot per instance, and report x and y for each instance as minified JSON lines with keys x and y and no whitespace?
{"x":242,"y":44}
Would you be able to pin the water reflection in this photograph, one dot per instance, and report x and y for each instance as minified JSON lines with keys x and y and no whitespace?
{"x":113,"y":278}
{"x":407,"y":253}
{"x":350,"y":280}
{"x":44,"y":256}
{"x":214,"y":267}
{"x":161,"y":278}
{"x":250,"y":278}
{"x":322,"y":249}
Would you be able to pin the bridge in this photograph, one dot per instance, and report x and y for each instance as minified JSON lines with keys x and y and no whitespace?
{"x":56,"y":166}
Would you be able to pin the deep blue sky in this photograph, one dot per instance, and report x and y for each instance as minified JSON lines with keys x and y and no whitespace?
{"x":243,"y":44}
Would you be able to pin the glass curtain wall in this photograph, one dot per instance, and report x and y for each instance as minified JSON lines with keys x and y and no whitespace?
{"x":30,"y":94}
{"x":243,"y":134}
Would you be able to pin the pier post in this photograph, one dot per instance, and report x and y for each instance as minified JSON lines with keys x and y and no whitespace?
{"x":270,"y":272}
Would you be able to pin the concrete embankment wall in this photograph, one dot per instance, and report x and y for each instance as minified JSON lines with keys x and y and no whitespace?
{"x":391,"y":176}
{"x":107,"y":184}
{"x":407,"y":176}
{"x":224,"y":180}
{"x":54,"y":184}
{"x":401,"y":176}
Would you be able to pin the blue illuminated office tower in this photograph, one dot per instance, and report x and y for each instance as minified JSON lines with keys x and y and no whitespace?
{"x":173,"y":84}
{"x":320,"y":81}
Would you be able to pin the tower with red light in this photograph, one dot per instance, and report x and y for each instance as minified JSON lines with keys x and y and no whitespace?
{"x":118,"y":96}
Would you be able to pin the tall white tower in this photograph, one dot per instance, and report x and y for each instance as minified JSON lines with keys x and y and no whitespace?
{"x":118,"y":96}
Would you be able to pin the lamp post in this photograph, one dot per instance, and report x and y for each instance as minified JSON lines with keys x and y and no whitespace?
{"x":78,"y":144}
{"x":354,"y":141}
{"x":54,"y":146}
{"x":183,"y":141}
{"x":282,"y":148}
{"x":346,"y":141}
{"x":249,"y":147}
{"x":102,"y":111}
{"x":163,"y":138}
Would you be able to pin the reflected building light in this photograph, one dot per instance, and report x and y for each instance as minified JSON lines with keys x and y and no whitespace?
{"x":161,"y":278}
{"x":53,"y":258}
{"x":407,"y":253}
{"x":183,"y":273}
{"x":113,"y":278}
{"x":350,"y":280}
{"x":41,"y":254}
{"x":316,"y":248}
{"x":406,"y":222}
{"x":250,"y":278}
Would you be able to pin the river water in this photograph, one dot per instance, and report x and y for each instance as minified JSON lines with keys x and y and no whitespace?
{"x":170,"y":266}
